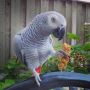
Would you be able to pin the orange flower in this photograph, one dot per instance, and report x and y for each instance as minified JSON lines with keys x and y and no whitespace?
{"x":64,"y":60}
{"x":67,"y":48}
{"x":61,"y":66}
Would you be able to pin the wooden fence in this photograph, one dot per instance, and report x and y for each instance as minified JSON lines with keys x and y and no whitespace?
{"x":16,"y":14}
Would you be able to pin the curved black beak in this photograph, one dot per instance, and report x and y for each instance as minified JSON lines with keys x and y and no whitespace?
{"x":59,"y":33}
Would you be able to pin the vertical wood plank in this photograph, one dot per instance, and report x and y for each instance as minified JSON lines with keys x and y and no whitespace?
{"x":74,"y":22}
{"x":23,"y":5}
{"x":80,"y":22}
{"x":37,"y":6}
{"x":7,"y":28}
{"x":2,"y":32}
{"x":57,"y":6}
{"x":60,"y":7}
{"x":30,"y":11}
{"x":44,"y":5}
{"x":88,"y":13}
{"x":84,"y":20}
{"x":88,"y":16}
{"x":16,"y":20}
{"x":68,"y":18}
{"x":51,"y":5}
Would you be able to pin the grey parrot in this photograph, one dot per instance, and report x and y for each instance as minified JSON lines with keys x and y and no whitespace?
{"x":33,"y":45}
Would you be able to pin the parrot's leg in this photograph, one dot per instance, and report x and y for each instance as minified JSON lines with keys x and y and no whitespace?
{"x":34,"y":72}
{"x":62,"y":53}
{"x":37,"y":77}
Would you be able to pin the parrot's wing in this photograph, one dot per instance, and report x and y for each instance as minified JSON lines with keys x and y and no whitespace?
{"x":51,"y":39}
{"x":23,"y":57}
{"x":18,"y":48}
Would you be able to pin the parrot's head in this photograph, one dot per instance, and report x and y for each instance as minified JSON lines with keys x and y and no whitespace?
{"x":52,"y":22}
{"x":57,"y":23}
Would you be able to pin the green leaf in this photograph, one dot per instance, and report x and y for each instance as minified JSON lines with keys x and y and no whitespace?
{"x":50,"y":65}
{"x":8,"y":82}
{"x":73,"y":36}
{"x":25,"y":75}
{"x":1,"y":86}
{"x":87,"y":36}
{"x":87,"y":46}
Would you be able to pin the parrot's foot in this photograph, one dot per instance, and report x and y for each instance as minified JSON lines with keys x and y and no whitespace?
{"x":62,"y":53}
{"x":37,"y":78}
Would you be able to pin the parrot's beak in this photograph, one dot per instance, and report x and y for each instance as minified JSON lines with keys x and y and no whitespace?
{"x":59,"y":33}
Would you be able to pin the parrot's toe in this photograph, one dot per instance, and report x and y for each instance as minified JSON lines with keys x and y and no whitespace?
{"x":38,"y":79}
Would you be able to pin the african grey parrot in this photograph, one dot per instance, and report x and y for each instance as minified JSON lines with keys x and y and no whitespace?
{"x":33,"y":45}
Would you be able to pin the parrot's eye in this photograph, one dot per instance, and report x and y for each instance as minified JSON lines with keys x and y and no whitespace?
{"x":53,"y":19}
{"x":61,"y":25}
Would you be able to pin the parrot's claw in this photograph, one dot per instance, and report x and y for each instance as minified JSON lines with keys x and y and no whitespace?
{"x":37,"y":78}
